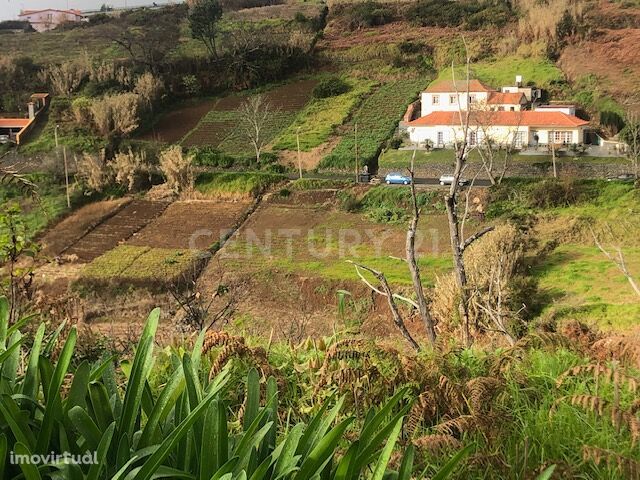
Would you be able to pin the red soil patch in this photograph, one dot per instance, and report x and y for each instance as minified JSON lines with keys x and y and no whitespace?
{"x":65,"y":233}
{"x":612,"y":56}
{"x":191,"y":224}
{"x":174,"y":125}
{"x":116,"y":229}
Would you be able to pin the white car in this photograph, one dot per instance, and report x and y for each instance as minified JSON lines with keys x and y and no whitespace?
{"x":448,"y":180}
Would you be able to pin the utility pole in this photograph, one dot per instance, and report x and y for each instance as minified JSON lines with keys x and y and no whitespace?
{"x":66,"y":175}
{"x":299,"y":159}
{"x":553,"y":154}
{"x":55,"y":133}
{"x":356,"y":149}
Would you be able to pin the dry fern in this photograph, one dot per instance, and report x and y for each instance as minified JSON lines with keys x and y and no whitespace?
{"x":215,"y":339}
{"x":437,"y":444}
{"x":626,"y":349}
{"x":629,"y":467}
{"x":480,"y":393}
{"x":601,"y":372}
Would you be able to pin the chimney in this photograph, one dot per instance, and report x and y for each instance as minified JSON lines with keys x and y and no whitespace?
{"x":518,"y":80}
{"x":32,"y":111}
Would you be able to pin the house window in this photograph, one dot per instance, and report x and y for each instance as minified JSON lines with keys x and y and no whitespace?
{"x":435,"y":99}
{"x":453,"y":99}
{"x":472,"y":98}
{"x":473,"y":138}
{"x":440,"y":139}
{"x":563,"y":137}
{"x":513,"y":109}
{"x":518,"y":139}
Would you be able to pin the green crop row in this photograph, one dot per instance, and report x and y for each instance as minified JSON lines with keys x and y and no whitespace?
{"x":319,"y":119}
{"x":376,"y":120}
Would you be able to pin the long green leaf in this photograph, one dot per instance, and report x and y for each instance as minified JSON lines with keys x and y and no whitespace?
{"x":86,"y":426}
{"x":290,"y":446}
{"x":385,"y":456}
{"x":169,"y":443}
{"x":139,"y":372}
{"x":253,"y":398}
{"x":322,"y":452}
{"x":29,"y":470}
{"x":451,"y":465}
{"x":214,"y":449}
{"x":546,"y":475}
{"x":4,"y":321}
{"x":101,"y":453}
{"x":318,"y":427}
{"x":30,"y":383}
{"x":346,"y":468}
{"x":166,"y":400}
{"x":406,"y":468}
{"x":79,"y":387}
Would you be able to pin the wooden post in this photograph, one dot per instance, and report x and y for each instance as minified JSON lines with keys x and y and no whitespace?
{"x":356,"y":149}
{"x":66,"y":175}
{"x":299,"y":159}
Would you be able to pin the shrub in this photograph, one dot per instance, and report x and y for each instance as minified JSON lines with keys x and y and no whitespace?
{"x":368,"y":14}
{"x":348,"y":201}
{"x":388,"y":214}
{"x":116,"y":114}
{"x":177,"y":169}
{"x":552,"y":193}
{"x":331,"y":87}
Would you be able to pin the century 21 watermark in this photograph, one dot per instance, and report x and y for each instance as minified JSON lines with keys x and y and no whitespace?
{"x":52,"y":458}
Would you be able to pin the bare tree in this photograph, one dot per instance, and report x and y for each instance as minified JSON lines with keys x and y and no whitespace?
{"x":255,"y":113}
{"x":496,"y":155}
{"x":458,"y":243}
{"x":410,"y":251}
{"x":385,"y":291}
{"x":618,"y":260}
{"x":631,"y":136}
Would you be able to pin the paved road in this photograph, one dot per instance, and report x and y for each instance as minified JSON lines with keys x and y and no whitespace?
{"x":343,"y":176}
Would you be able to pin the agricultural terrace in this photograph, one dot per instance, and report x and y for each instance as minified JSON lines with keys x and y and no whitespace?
{"x":145,"y":267}
{"x":318,"y":120}
{"x":222,"y":126}
{"x":377,"y":118}
{"x":191,"y":224}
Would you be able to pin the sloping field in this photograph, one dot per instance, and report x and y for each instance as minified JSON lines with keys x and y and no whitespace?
{"x":174,"y":125}
{"x":65,"y":233}
{"x":116,"y":229}
{"x":222,"y":128}
{"x":191,"y":224}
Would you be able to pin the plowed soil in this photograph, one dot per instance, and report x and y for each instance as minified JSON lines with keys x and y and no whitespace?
{"x":190,"y":224}
{"x":174,"y":125}
{"x":65,"y":233}
{"x":116,"y":229}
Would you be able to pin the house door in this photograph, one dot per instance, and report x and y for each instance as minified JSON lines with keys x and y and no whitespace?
{"x":440,"y":139}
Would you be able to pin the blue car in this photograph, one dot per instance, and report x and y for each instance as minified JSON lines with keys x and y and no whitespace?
{"x":397,"y":178}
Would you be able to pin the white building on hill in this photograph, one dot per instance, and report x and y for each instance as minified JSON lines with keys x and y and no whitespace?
{"x":501,"y":116}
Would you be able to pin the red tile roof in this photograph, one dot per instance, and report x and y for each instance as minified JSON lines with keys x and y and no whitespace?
{"x":505,"y":98}
{"x":30,"y":12}
{"x":14,"y":122}
{"x":526,"y":118}
{"x":447,"y":86}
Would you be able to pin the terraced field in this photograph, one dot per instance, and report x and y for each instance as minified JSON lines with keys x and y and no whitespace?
{"x":221,"y":127}
{"x":115,"y":230}
{"x":191,"y":224}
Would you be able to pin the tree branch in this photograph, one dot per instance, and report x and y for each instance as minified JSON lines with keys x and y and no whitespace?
{"x":475,"y":237}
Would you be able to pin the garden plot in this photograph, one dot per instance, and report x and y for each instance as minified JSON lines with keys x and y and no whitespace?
{"x":64,"y":234}
{"x":115,"y":230}
{"x":220,"y":127}
{"x":191,"y":224}
{"x":174,"y":125}
{"x":144,"y":267}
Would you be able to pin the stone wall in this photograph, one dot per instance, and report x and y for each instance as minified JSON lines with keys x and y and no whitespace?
{"x":573,"y":169}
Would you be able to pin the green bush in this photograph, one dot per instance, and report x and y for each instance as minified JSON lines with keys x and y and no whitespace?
{"x":331,"y":87}
{"x":388,"y":214}
{"x":450,"y":13}
{"x":368,"y":14}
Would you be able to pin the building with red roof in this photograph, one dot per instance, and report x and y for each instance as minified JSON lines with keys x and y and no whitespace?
{"x":50,"y":18}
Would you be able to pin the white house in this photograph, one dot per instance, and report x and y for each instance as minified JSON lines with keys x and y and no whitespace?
{"x":50,"y":18}
{"x":501,"y":116}
{"x":518,"y":128}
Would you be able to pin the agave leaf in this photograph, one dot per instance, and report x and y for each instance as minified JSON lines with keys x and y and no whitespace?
{"x":51,"y":342}
{"x":249,"y":448}
{"x":79,"y":387}
{"x":100,"y":405}
{"x":318,"y":427}
{"x":9,"y":360}
{"x":98,"y":370}
{"x":406,"y":467}
{"x":225,"y":470}
{"x":214,"y":448}
{"x":346,"y":468}
{"x":16,"y":421}
{"x":289,"y":447}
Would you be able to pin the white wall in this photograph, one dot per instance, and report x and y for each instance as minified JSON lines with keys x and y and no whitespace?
{"x":444,"y":104}
{"x":499,"y":134}
{"x":49,"y":19}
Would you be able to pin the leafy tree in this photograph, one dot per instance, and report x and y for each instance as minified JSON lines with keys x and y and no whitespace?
{"x":630,"y":134}
{"x":204,"y":16}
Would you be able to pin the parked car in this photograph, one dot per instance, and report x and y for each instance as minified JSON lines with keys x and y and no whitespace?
{"x":397,"y":178}
{"x":448,"y":180}
{"x":4,"y":138}
{"x":623,"y":177}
